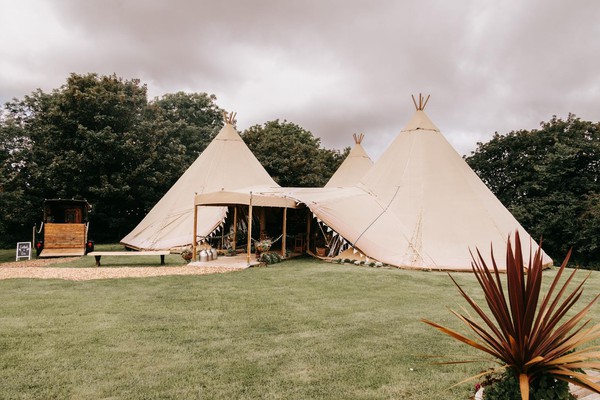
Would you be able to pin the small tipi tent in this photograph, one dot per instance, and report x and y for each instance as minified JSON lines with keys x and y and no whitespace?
{"x":226,"y":163}
{"x":354,"y":167}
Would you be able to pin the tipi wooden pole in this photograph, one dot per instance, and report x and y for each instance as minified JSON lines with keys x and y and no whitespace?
{"x":263,"y":223}
{"x":194,"y":238}
{"x":308,"y":228}
{"x":234,"y":228}
{"x":249,"y":230}
{"x":426,"y":100}
{"x":283,"y":238}
{"x":223,"y":235}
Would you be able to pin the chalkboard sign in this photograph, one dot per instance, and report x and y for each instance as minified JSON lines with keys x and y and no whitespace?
{"x":23,"y":250}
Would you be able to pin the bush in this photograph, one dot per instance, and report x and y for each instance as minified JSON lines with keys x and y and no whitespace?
{"x":270,"y":258}
{"x":506,"y":387}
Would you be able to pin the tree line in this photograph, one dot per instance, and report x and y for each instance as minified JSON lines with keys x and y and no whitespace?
{"x":549,"y":179}
{"x":100,"y":138}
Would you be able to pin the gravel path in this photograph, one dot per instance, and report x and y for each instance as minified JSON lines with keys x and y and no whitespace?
{"x":40,"y":262}
{"x":38,"y":269}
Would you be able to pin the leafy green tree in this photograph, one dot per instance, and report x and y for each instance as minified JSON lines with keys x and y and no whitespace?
{"x":85,"y":143}
{"x":292,"y":155}
{"x":191,"y":119}
{"x":98,"y":137}
{"x":549,"y":178}
{"x":182,"y":125}
{"x":13,"y":224}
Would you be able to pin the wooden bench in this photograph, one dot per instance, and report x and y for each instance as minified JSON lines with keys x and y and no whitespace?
{"x":98,"y":254}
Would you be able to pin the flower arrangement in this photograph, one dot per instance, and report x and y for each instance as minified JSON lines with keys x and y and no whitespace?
{"x":187,"y":254}
{"x":263,"y":245}
{"x":528,"y":338}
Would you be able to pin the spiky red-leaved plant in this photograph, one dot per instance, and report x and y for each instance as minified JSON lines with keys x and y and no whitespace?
{"x":524,"y":335}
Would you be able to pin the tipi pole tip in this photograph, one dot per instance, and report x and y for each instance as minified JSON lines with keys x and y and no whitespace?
{"x":358,"y":138}
{"x":229,"y":118}
{"x":426,"y":100}
{"x":422,"y":101}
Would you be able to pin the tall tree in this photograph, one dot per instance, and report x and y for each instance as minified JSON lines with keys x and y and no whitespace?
{"x":549,"y":178}
{"x":292,"y":155}
{"x":98,"y":137}
{"x":85,"y":142}
{"x":191,"y":119}
{"x":13,"y":223}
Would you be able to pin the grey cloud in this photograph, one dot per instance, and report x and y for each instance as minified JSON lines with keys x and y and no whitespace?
{"x":334,"y":67}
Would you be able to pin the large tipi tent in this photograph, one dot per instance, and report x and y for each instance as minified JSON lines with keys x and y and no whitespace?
{"x":419,"y":206}
{"x":354,"y":167}
{"x":226,"y":163}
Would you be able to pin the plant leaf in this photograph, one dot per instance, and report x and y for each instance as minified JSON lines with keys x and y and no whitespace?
{"x":524,"y":386}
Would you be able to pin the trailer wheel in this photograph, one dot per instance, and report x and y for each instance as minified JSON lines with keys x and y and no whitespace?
{"x":89,"y":246}
{"x":39,"y":246}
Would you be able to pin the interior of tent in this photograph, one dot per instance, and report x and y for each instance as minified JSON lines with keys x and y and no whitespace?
{"x":270,"y":215}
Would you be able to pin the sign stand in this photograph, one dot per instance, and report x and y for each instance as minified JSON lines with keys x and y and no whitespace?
{"x":23,"y":250}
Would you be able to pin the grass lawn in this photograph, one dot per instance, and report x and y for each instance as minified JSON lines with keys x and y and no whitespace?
{"x":300,"y":329}
{"x":8,"y":255}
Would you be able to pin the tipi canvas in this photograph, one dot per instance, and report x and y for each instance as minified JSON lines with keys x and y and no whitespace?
{"x":226,"y":163}
{"x":443,"y":206}
{"x":419,"y":206}
{"x":354,"y":167}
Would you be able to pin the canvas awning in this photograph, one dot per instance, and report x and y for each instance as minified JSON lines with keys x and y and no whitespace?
{"x":257,"y":198}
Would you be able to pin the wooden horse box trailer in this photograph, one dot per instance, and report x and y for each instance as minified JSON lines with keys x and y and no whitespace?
{"x":64,"y":229}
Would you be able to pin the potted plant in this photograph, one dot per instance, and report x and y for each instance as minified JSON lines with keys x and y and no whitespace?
{"x":321,"y":246}
{"x":260,"y":246}
{"x":187,"y":254}
{"x":531,"y":338}
{"x":321,"y":251}
{"x":263,"y":245}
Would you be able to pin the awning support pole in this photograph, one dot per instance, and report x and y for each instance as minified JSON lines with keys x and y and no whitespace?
{"x":234,"y":228}
{"x":249,"y":230}
{"x":283,"y":244}
{"x":194,"y":237}
{"x":309,"y":213}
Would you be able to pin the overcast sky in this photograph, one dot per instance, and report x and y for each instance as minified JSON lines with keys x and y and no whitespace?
{"x":333,"y":67}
